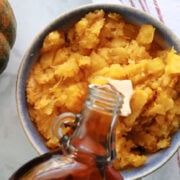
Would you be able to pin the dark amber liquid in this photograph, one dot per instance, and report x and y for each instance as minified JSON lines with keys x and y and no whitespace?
{"x":71,"y":170}
{"x":80,"y":166}
{"x":84,"y":159}
{"x":81,"y":172}
{"x":69,"y":166}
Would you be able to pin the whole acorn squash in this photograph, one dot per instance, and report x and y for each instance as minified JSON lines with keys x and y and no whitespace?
{"x":7,"y":32}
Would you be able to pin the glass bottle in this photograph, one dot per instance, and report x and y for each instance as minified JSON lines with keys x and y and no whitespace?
{"x":89,"y":152}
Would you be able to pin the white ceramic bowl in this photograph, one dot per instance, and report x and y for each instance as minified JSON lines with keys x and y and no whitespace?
{"x":165,"y":37}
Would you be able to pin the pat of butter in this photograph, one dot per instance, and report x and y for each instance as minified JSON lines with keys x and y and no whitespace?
{"x":126,"y":89}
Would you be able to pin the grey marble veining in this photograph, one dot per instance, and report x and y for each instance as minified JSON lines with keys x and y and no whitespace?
{"x":15,"y":149}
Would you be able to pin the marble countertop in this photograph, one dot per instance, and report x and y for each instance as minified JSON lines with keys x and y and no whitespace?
{"x":32,"y":16}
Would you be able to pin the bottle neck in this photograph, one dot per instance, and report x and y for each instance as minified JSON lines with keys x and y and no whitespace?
{"x":96,"y":132}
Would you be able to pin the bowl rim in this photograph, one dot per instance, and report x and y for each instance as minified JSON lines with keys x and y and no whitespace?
{"x":27,"y":125}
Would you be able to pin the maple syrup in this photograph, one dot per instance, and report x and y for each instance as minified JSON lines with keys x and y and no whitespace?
{"x":89,"y":152}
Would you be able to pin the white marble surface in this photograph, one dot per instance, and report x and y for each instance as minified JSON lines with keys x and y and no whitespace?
{"x":32,"y":16}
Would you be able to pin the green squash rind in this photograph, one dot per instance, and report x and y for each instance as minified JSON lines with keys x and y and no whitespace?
{"x":7,"y":32}
{"x":4,"y":52}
